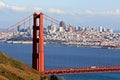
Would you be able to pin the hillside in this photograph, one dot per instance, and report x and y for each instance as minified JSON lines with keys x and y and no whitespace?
{"x":11,"y":69}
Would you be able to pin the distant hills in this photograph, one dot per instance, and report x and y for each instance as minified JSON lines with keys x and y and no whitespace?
{"x":1,"y":29}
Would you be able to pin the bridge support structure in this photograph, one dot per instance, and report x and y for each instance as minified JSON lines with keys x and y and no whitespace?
{"x":38,"y":43}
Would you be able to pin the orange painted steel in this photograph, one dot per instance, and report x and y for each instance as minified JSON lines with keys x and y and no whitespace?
{"x":41,"y":44}
{"x":84,"y":70}
{"x":38,"y":43}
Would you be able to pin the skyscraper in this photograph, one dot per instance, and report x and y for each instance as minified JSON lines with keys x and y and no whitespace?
{"x":62,"y":24}
{"x":100,"y":29}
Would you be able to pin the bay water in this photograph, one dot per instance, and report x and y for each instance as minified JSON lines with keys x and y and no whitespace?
{"x":59,"y":57}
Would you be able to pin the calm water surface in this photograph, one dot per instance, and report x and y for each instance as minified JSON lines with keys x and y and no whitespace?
{"x":68,"y":57}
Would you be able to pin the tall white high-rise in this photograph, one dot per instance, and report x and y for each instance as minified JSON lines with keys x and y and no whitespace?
{"x":100,"y":29}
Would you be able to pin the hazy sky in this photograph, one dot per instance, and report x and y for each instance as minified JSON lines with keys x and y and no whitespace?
{"x":93,"y":13}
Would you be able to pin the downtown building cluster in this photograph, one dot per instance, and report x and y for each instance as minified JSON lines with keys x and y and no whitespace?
{"x":63,"y":34}
{"x":81,"y":36}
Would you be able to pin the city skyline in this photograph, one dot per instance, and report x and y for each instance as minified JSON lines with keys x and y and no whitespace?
{"x":77,"y":13}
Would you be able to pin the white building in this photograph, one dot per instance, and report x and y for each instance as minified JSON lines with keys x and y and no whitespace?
{"x":61,"y":29}
{"x":53,"y":29}
{"x":100,"y":29}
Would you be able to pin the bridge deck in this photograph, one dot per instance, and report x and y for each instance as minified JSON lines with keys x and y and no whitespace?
{"x":84,"y":70}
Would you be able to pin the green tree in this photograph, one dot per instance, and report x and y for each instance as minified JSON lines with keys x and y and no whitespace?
{"x":62,"y":78}
{"x":43,"y":78}
{"x":53,"y":77}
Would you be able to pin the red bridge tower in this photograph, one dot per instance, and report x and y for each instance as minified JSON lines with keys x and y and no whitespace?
{"x":38,"y":43}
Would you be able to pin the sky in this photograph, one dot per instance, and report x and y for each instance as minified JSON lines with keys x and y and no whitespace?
{"x":93,"y":13}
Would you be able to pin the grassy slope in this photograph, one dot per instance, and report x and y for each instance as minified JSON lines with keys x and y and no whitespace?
{"x":11,"y":69}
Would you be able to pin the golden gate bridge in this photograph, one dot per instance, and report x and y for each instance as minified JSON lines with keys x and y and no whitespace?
{"x":38,"y":47}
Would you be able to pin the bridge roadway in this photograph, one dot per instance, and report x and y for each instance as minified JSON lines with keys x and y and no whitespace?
{"x":84,"y":70}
